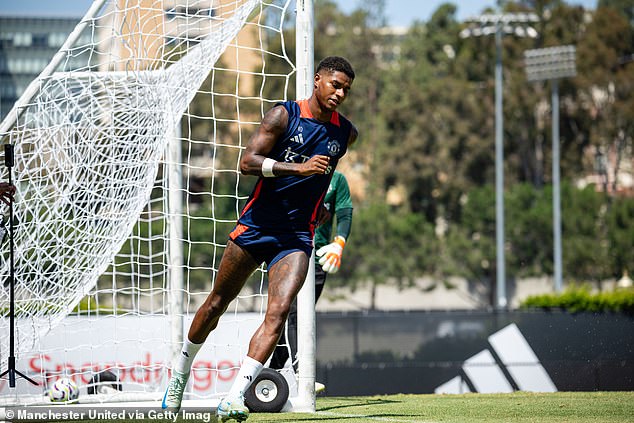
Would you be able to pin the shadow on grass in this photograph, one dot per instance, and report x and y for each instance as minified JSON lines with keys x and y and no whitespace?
{"x":322,"y":418}
{"x":359,"y":403}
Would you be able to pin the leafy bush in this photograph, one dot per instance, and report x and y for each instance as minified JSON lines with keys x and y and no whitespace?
{"x":580,"y":299}
{"x":89,"y":306}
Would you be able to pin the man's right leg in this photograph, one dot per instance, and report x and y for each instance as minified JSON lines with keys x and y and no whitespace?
{"x":235,"y":267}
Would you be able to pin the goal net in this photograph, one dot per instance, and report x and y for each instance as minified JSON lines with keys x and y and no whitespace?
{"x":128,"y":183}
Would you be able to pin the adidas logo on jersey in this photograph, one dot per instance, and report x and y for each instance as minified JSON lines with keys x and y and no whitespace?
{"x":298,"y":139}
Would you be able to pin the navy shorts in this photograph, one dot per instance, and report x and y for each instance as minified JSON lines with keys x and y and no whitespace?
{"x":270,"y":247}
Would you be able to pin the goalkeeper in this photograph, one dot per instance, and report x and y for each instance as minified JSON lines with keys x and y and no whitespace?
{"x":339,"y":205}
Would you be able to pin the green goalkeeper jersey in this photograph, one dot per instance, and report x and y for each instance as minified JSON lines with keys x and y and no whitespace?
{"x":339,"y":204}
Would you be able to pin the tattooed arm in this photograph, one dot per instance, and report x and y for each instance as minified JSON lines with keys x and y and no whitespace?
{"x":262,"y":142}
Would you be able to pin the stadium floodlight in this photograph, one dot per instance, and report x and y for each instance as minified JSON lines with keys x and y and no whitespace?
{"x":500,"y":25}
{"x":553,"y":64}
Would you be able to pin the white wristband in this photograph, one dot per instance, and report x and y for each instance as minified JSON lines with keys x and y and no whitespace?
{"x":267,"y":168}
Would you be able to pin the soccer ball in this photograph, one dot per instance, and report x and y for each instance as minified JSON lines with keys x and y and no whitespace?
{"x":63,"y":390}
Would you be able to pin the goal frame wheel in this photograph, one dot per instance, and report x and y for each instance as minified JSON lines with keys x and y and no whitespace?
{"x":103,"y":382}
{"x":268,"y":393}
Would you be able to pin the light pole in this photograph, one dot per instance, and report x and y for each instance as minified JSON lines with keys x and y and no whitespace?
{"x":500,"y":25}
{"x":553,"y":64}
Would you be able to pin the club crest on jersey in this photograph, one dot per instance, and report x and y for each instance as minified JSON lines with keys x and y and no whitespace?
{"x":333,"y":147}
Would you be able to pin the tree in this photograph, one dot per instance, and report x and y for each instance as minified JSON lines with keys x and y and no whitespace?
{"x":624,"y":7}
{"x":471,"y":242}
{"x":620,"y":233}
{"x":388,"y":246}
{"x":529,"y":219}
{"x":585,"y":246}
{"x":434,"y":144}
{"x":424,"y":104}
{"x":607,"y":85}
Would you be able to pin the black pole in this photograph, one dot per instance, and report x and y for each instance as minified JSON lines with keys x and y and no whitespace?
{"x":9,"y":162}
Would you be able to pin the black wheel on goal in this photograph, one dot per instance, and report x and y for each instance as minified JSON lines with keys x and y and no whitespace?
{"x":268,"y":392}
{"x":103,"y":382}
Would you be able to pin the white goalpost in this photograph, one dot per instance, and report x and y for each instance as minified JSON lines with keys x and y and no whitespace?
{"x":306,"y":331}
{"x":126,"y":168}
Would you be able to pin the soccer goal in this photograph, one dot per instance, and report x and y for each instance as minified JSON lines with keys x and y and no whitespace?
{"x":126,"y":166}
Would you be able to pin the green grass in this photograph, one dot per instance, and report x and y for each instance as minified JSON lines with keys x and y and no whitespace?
{"x":573,"y":407}
{"x":519,"y":407}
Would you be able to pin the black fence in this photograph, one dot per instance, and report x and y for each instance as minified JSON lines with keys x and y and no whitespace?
{"x":416,"y":352}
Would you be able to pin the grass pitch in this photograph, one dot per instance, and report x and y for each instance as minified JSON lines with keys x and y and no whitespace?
{"x":519,"y":407}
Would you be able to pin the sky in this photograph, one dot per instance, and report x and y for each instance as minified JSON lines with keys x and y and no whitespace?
{"x":405,"y":12}
{"x":399,"y":12}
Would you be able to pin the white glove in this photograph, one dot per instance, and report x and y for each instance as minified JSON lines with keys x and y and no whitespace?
{"x":331,"y":255}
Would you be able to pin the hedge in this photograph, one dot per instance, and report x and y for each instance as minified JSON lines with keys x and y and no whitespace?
{"x":580,"y":299}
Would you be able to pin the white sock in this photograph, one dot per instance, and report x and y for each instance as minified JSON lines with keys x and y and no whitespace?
{"x":249,"y":370}
{"x":186,"y":357}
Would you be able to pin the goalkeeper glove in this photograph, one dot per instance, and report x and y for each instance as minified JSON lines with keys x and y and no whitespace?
{"x":330,"y":255}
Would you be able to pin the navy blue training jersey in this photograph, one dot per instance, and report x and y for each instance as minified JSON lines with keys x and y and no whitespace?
{"x":291,"y":203}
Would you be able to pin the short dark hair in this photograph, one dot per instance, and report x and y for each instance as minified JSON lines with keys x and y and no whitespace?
{"x":336,"y":64}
